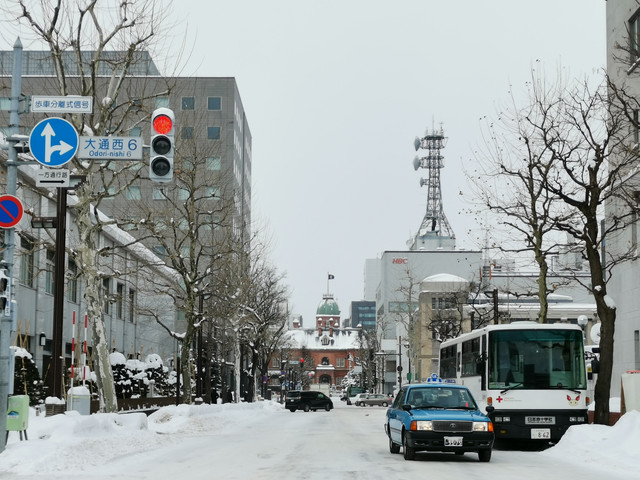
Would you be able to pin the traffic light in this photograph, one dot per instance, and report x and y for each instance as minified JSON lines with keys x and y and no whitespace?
{"x":302,"y":363}
{"x":5,"y":294}
{"x":162,"y":145}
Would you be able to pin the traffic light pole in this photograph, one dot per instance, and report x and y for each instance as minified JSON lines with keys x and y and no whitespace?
{"x":9,"y":240}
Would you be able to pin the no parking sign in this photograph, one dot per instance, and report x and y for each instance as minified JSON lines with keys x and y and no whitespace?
{"x":10,"y":211}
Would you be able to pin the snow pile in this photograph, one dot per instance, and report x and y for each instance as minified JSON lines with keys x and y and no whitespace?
{"x":70,"y":441}
{"x":590,"y":444}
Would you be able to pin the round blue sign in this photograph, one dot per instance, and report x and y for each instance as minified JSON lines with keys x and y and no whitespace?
{"x":53,"y":142}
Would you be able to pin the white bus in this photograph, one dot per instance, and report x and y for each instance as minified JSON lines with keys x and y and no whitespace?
{"x":529,"y":376}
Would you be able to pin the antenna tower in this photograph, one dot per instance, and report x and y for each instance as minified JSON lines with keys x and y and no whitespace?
{"x":435,"y":231}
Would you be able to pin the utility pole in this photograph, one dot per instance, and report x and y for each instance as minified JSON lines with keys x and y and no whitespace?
{"x":8,"y":314}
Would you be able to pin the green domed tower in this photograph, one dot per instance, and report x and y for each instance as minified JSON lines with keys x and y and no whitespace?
{"x":328,"y":312}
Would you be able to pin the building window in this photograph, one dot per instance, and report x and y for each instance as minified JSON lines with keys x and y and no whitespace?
{"x":213,"y":103}
{"x":162,"y":102}
{"x":187,"y":163}
{"x":158,"y":194}
{"x":133,"y":193}
{"x":72,"y":285}
{"x":160,"y":251}
{"x":213,"y":133}
{"x":49,"y":286}
{"x":135,"y":132}
{"x":27,"y":263}
{"x":340,"y":362}
{"x":325,"y":360}
{"x":120,"y":300}
{"x":187,"y":133}
{"x":106,"y":293}
{"x":634,"y":37}
{"x":213,"y":192}
{"x":183,"y":194}
{"x":188,"y":103}
{"x":214,"y":163}
{"x":132,"y":304}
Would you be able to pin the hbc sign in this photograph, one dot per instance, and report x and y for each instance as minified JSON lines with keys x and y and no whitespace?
{"x":399,"y":261}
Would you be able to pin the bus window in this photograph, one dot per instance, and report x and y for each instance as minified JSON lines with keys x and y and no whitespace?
{"x":448,"y":362}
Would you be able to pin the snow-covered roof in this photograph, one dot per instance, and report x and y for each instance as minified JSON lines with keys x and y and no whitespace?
{"x":342,"y":339}
{"x":443,"y":282}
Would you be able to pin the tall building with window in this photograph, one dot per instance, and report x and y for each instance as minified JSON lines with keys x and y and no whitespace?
{"x":363,"y":314}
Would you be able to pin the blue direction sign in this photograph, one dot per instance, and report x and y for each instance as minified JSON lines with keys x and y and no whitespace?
{"x":10,"y":211}
{"x":53,"y":142}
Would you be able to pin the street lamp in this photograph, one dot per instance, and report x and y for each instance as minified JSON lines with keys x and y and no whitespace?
{"x":583,"y":321}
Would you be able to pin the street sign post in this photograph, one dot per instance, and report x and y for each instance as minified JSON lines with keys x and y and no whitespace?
{"x":53,"y":142}
{"x":10,"y":211}
{"x":61,"y":104}
{"x":110,"y":148}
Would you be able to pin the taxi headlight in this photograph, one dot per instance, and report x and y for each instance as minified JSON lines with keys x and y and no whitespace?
{"x":482,"y":427}
{"x":421,"y":425}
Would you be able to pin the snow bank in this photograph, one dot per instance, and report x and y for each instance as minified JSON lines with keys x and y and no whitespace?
{"x":590,"y":444}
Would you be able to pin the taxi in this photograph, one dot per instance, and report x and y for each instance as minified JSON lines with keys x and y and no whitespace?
{"x":437,"y":416}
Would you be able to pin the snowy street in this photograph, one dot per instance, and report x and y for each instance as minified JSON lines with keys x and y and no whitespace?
{"x":264,"y":441}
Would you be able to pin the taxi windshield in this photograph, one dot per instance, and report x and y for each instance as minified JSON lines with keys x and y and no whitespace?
{"x":441,"y":397}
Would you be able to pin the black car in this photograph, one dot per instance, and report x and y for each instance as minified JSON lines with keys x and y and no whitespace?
{"x":307,"y":400}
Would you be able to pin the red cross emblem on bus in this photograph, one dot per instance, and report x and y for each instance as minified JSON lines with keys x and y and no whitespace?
{"x":499,"y":399}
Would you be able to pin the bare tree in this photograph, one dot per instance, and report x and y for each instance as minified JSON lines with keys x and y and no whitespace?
{"x":263,"y":315}
{"x":582,"y":152}
{"x":191,"y":229}
{"x":508,"y":181}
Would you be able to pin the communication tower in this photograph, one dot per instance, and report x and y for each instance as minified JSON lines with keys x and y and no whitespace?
{"x":435,"y":231}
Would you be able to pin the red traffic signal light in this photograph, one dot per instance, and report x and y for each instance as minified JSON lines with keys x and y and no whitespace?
{"x":302,"y":361}
{"x":162,"y":124}
{"x":162,"y":148}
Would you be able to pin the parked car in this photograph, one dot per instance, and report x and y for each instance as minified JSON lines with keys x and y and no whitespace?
{"x":439,"y":417}
{"x":307,"y":400}
{"x":360,"y":396}
{"x":372,"y":399}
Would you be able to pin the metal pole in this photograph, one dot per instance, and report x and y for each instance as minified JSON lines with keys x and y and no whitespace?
{"x":9,"y":239}
{"x":57,"y":352}
{"x":399,"y":363}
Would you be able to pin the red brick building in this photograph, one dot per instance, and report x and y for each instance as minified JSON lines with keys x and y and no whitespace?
{"x":329,"y":349}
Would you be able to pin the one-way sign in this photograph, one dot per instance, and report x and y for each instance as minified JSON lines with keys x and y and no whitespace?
{"x":52,"y":178}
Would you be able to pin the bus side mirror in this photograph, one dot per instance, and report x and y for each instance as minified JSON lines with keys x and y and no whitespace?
{"x":490,"y":408}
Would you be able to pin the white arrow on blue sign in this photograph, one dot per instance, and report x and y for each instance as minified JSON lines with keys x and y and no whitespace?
{"x":53,"y":142}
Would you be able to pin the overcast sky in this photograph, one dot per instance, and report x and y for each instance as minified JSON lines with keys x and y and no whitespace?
{"x":335,"y":92}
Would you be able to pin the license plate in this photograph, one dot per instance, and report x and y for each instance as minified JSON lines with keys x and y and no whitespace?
{"x":452,"y":441}
{"x":540,"y":433}
{"x":540,"y":420}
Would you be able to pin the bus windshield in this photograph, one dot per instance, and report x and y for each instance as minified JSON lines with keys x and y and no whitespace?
{"x":536,"y":359}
